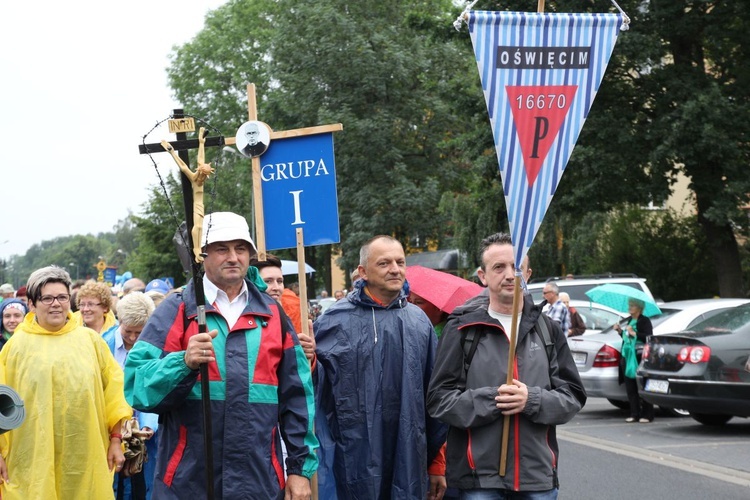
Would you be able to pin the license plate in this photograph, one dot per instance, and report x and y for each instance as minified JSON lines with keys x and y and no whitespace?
{"x":579,"y":358}
{"x":660,"y":386}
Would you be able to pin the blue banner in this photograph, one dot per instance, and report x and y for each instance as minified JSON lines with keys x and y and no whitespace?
{"x":298,"y":176}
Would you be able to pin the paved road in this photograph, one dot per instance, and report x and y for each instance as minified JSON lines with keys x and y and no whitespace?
{"x":672,"y":458}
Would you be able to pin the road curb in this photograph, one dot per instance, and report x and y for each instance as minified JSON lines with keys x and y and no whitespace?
{"x":725,"y":474}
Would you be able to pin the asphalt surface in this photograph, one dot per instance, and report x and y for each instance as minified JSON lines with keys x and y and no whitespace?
{"x":602,"y":457}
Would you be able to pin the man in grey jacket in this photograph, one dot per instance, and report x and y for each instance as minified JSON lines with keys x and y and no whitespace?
{"x":472,"y":397}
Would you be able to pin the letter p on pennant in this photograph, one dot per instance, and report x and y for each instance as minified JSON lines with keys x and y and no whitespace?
{"x":538,"y":114}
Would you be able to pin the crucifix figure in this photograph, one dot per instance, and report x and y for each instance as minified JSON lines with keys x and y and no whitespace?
{"x":197,"y":181}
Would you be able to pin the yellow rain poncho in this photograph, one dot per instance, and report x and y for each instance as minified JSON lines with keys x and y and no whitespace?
{"x":110,"y":320}
{"x":72,"y":389}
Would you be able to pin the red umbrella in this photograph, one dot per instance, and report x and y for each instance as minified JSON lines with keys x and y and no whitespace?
{"x":444,"y":290}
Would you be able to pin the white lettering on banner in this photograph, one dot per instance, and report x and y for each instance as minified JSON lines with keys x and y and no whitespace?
{"x":297,"y":209}
{"x":293,"y":170}
{"x":509,"y":57}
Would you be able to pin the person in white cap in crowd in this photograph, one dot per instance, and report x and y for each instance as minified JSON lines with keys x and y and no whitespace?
{"x":259,"y":376}
{"x":6,"y":291}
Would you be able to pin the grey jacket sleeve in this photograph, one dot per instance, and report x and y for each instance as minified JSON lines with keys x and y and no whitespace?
{"x":566,"y":395}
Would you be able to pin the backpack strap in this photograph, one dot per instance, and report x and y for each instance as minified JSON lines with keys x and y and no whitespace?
{"x":471,"y":337}
{"x":542,"y":330}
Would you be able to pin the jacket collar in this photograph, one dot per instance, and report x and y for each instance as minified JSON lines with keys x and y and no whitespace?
{"x":256,"y":303}
{"x":475,"y":312}
{"x":360,"y":297}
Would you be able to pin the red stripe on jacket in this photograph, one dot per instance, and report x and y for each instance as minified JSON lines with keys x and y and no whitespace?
{"x":176,"y":457}
{"x":178,"y":337}
{"x":269,"y":355}
{"x":275,"y":461}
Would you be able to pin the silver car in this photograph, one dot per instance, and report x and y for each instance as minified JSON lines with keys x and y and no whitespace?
{"x":595,"y":316}
{"x":597,"y":356}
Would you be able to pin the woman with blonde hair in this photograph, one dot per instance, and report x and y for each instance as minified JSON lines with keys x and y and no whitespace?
{"x":133,"y":311}
{"x":634,"y":337}
{"x":73,"y":394}
{"x":94,"y":302}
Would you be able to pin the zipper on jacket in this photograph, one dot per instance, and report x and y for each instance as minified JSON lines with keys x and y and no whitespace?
{"x":555,"y":479}
{"x":469,"y":455}
{"x":374,"y":325}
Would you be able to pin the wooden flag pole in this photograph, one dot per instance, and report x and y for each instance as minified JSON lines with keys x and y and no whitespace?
{"x":304,"y":313}
{"x":260,"y":228}
{"x":517,"y":301}
{"x":303,"y":308}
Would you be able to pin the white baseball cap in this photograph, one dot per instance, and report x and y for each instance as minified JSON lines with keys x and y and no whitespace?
{"x":225,"y":226}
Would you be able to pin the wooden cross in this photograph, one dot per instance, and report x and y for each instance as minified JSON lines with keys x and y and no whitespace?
{"x":192,"y":194}
{"x":192,"y":182}
{"x":252,"y":114}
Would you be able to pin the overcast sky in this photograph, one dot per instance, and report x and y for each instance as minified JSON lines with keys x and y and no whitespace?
{"x":83,"y":81}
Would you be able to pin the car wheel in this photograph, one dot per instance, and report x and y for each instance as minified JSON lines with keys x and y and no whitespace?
{"x":675,"y":412}
{"x":711,"y":419}
{"x":623,"y":405}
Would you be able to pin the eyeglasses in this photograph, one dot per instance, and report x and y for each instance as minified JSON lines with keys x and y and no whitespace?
{"x":47,"y":300}
{"x":88,"y":305}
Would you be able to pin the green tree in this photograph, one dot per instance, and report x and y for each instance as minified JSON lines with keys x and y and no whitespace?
{"x":674,"y":99}
{"x":697,"y":97}
{"x":156,"y":254}
{"x":386,"y":70}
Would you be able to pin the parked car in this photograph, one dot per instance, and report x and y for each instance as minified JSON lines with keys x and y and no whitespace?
{"x":326,"y":303}
{"x":703,"y":370}
{"x":595,"y":316}
{"x":577,"y":286}
{"x":597,"y":356}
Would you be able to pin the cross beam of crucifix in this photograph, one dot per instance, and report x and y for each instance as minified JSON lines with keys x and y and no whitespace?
{"x":192,"y":181}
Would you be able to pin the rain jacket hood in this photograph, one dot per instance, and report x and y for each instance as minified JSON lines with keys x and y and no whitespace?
{"x":31,"y":326}
{"x":373,"y":365}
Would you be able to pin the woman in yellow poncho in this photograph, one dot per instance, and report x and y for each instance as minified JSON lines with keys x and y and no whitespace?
{"x":72,"y":387}
{"x":94,"y":302}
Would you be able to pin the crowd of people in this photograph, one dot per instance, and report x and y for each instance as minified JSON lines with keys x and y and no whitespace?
{"x":368,"y":397}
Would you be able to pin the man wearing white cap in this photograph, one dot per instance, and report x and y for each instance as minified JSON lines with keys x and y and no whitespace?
{"x":259,"y":376}
{"x":6,"y":291}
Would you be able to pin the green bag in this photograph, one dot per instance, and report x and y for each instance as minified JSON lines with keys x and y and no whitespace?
{"x":629,"y":353}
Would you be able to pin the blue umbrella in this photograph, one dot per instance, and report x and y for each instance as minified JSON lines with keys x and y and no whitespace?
{"x":617,"y":297}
